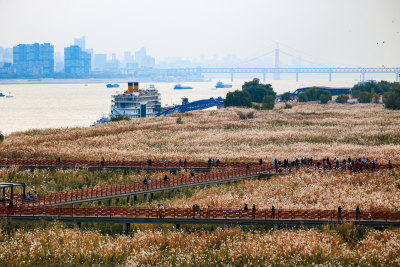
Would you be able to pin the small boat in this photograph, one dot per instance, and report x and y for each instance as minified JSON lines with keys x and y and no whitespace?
{"x":2,"y":95}
{"x":222,"y":85}
{"x":112,"y":85}
{"x":9,"y":95}
{"x":180,"y":87}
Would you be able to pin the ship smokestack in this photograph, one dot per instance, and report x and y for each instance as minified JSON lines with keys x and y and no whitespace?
{"x":130,"y":87}
{"x":136,"y":86}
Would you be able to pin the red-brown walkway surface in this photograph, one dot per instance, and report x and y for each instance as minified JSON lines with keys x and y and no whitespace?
{"x":188,"y":215}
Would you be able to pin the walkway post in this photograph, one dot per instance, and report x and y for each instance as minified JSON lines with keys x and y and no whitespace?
{"x":126,"y":228}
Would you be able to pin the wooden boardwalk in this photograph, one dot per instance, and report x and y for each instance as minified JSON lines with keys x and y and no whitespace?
{"x":178,"y":216}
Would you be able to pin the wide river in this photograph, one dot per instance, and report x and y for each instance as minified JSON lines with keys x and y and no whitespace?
{"x":67,"y":105}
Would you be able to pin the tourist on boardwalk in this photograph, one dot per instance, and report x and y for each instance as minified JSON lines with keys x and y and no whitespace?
{"x":103,"y":161}
{"x":357,"y":212}
{"x":58,"y":161}
{"x":260,"y":161}
{"x":209,"y":162}
{"x":340,"y":212}
{"x":149,"y":162}
{"x":185,"y":163}
{"x":208,"y":211}
{"x":218,"y":162}
{"x":246,"y":209}
{"x":35,"y":195}
{"x":158,"y":211}
{"x":162,"y":211}
{"x":272,"y":211}
{"x":254,"y":211}
{"x":180,"y":162}
{"x":166,"y":179}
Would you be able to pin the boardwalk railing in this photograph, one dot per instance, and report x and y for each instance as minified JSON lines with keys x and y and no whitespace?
{"x":175,"y":164}
{"x":189,"y":213}
{"x":101,"y":192}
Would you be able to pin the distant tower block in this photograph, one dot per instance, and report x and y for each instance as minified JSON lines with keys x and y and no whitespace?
{"x":277,"y":76}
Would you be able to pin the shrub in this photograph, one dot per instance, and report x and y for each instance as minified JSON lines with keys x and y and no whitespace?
{"x":342,"y":99}
{"x":268,"y":102}
{"x":288,"y":106}
{"x":179,"y":120}
{"x":120,"y":117}
{"x":392,"y":99}
{"x":365,"y":97}
{"x":1,"y":138}
{"x":237,"y":99}
{"x":286,"y":96}
{"x":324,"y":98}
{"x":314,"y":94}
{"x":257,"y":106}
{"x":245,"y":116}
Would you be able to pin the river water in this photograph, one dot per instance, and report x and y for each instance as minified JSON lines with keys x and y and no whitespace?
{"x":67,"y":105}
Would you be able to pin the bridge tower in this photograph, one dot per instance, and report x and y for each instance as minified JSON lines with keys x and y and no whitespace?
{"x":277,"y":75}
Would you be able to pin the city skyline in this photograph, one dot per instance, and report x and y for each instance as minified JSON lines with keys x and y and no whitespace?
{"x":345,"y":33}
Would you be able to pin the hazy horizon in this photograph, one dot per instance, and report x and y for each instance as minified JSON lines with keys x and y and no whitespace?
{"x":344,"y":33}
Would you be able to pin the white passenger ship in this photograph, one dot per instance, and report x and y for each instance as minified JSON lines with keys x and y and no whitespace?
{"x":136,"y":103}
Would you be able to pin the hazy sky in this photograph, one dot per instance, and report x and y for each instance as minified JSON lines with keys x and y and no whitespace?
{"x":344,"y":32}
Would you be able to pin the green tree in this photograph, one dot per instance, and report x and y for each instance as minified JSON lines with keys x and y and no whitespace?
{"x":237,"y":99}
{"x":324,"y":98}
{"x":342,"y":99}
{"x":364,"y":97}
{"x":392,"y":99}
{"x":120,"y":117}
{"x":303,"y":97}
{"x":258,"y":90}
{"x":286,"y":96}
{"x":1,"y":138}
{"x":376,"y":98}
{"x":268,"y":102}
{"x":372,"y":87}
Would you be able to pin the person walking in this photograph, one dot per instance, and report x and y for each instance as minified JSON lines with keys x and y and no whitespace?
{"x":246,"y":209}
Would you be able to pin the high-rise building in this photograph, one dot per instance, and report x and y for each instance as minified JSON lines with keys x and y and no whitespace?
{"x":76,"y":61}
{"x":100,"y":61}
{"x":81,"y":42}
{"x":34,"y":59}
{"x":140,"y":55}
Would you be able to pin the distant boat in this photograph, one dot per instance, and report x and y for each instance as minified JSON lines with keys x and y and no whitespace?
{"x":180,"y":87}
{"x":9,"y":95}
{"x":222,"y":85}
{"x":2,"y":95}
{"x":85,"y":84}
{"x":112,"y":85}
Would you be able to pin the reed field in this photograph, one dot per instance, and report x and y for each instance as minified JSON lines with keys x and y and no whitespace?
{"x":333,"y":246}
{"x":302,"y":190}
{"x":306,"y":130}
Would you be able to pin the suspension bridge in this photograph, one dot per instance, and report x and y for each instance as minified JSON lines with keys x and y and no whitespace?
{"x":277,"y":70}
